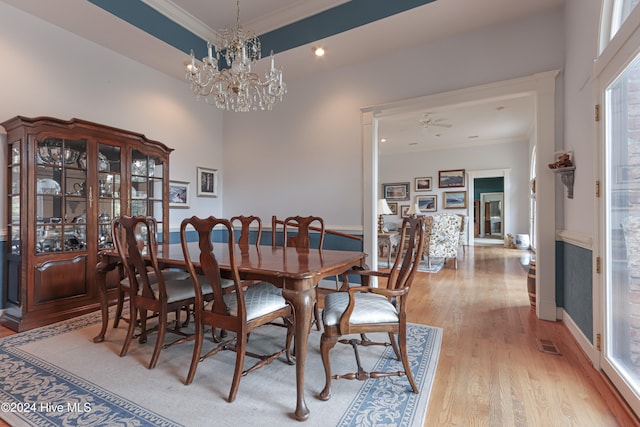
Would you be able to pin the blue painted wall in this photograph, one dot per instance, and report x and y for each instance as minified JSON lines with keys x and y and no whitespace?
{"x":487,"y":185}
{"x":574,"y":290}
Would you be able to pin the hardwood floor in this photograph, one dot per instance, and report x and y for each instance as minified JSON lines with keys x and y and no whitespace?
{"x":490,"y":371}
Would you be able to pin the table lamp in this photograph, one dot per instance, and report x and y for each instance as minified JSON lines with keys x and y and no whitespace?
{"x":383,"y":209}
{"x":414,"y":210}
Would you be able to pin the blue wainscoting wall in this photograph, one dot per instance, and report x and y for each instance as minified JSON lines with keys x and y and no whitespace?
{"x":574,"y":290}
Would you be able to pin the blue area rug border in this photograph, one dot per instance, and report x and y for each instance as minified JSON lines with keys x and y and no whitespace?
{"x":393,"y":394}
{"x":95,"y":405}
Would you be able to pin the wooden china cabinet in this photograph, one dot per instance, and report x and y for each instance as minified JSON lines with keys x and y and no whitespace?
{"x":66,"y":180}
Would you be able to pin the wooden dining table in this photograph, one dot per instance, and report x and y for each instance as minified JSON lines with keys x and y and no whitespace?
{"x":297,"y":271}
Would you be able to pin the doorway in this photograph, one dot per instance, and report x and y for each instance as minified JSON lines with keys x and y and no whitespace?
{"x":542,"y":88}
{"x":491,"y":215}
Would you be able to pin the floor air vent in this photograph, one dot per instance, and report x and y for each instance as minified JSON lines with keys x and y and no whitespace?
{"x":547,"y":346}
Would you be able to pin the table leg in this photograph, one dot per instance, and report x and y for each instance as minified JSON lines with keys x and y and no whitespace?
{"x":102,"y":268}
{"x":302,"y":301}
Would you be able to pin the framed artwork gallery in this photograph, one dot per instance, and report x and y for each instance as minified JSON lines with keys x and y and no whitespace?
{"x":178,"y":194}
{"x":207,"y":182}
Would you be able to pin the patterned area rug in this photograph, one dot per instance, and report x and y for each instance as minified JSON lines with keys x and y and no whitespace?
{"x":56,"y":376}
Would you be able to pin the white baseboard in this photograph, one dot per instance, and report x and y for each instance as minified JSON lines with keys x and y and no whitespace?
{"x":583,"y":342}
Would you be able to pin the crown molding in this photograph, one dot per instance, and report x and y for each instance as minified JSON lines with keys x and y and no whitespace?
{"x":273,"y":20}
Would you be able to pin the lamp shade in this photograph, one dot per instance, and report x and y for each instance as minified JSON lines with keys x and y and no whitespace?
{"x":414,"y":209}
{"x":383,"y":207}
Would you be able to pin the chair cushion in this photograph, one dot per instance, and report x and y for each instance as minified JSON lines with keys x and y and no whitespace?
{"x":259,"y":299}
{"x":369,"y":308}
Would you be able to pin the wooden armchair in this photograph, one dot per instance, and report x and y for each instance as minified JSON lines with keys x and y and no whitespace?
{"x":366,"y":309}
{"x":151,"y":290}
{"x":239,"y":311}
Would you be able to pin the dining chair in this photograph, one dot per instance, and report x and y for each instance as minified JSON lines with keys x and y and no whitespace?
{"x":302,"y":240}
{"x":150,"y":291}
{"x":246,"y":224}
{"x":240,"y":311}
{"x":124,"y":286}
{"x":365,"y":309}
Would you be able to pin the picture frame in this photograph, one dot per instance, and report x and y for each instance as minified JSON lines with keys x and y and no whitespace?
{"x":178,"y":194}
{"x":427,"y":203}
{"x":398,"y":191}
{"x":451,"y":178}
{"x":454,"y":199}
{"x":207,"y":182}
{"x":394,"y":208}
{"x":405,"y":211}
{"x":423,"y":183}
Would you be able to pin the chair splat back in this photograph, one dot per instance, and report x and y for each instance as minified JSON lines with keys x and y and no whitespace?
{"x":412,"y":245}
{"x":209,"y":264}
{"x":304,"y":224}
{"x":245,"y":228}
{"x":134,"y":236}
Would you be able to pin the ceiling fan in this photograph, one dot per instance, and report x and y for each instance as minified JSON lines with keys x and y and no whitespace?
{"x":427,"y":121}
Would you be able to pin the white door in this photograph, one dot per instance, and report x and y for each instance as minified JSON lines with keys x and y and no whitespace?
{"x":620,"y":227}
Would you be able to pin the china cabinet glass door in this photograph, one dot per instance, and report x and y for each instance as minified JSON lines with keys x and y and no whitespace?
{"x":60,"y":202}
{"x":108,"y":191}
{"x":147,"y":185}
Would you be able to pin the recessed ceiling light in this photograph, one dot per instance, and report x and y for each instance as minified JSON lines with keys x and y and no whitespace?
{"x":472,"y":136}
{"x":413,"y":143}
{"x":383,"y":140}
{"x":318,"y":50}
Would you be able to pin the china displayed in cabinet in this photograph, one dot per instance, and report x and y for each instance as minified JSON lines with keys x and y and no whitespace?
{"x":66,"y":181}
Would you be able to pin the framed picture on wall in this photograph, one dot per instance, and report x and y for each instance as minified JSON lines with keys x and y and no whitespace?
{"x":396,"y":191}
{"x":427,"y":203}
{"x":451,"y":178}
{"x":207,"y":182}
{"x":178,"y":194}
{"x":394,"y":208}
{"x":405,"y":211}
{"x":423,"y":183}
{"x":455,"y":199}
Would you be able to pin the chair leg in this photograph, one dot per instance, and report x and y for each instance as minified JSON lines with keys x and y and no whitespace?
{"x":130,"y":330}
{"x":455,"y":262}
{"x":119,"y":306}
{"x":326,"y":344}
{"x":402,"y":343}
{"x":316,"y":313}
{"x":394,"y":345}
{"x":162,"y":327}
{"x":241,"y":348}
{"x":197,"y":350}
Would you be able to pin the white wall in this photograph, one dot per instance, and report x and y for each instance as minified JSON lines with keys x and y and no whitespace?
{"x":305,"y":155}
{"x":47,"y":71}
{"x":515,"y":156}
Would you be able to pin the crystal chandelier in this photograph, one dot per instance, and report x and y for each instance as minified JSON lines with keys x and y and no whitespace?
{"x":226,"y":78}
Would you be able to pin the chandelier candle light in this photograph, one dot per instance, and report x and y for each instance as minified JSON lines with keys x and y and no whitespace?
{"x":225,"y":78}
